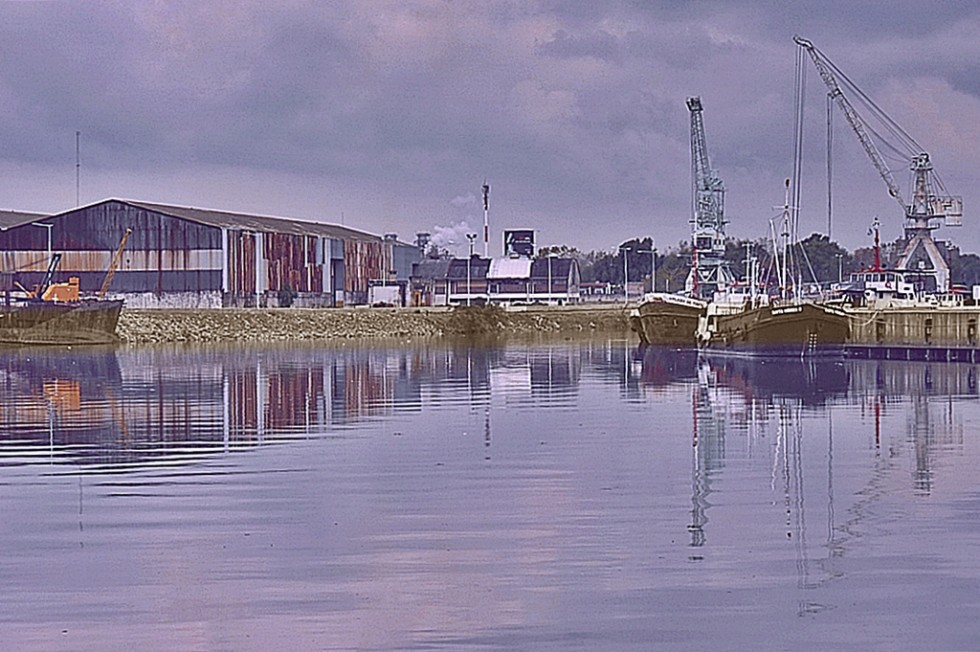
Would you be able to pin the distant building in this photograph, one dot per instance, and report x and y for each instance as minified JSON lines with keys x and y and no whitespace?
{"x":428,"y":284}
{"x":186,"y":257}
{"x":595,"y":289}
{"x":555,"y":280}
{"x":466,"y":280}
{"x":462,"y":281}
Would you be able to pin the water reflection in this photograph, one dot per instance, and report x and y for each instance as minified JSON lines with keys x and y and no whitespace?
{"x":784,"y":410}
{"x":529,"y":495}
{"x":118,"y":407}
{"x":753,"y":386}
{"x":108,"y":407}
{"x":661,"y":366}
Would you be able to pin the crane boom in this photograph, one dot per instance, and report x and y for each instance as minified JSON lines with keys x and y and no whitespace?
{"x":926,"y":205}
{"x":709,"y":190}
{"x":49,"y":274}
{"x":852,"y":117}
{"x":709,"y":270}
{"x":114,"y":264}
{"x":699,"y":148}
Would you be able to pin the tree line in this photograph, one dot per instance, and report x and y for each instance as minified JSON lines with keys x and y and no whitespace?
{"x":829,"y":261}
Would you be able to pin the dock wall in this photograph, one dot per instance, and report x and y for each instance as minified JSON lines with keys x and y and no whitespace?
{"x":916,"y":333}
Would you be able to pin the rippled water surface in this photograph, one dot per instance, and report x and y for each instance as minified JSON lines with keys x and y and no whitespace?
{"x":548,"y":496}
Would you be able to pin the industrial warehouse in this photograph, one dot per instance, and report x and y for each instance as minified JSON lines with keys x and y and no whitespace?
{"x":163,"y":256}
{"x":188,"y":258}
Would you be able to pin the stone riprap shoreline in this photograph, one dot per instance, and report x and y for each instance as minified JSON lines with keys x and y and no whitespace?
{"x":303,"y":324}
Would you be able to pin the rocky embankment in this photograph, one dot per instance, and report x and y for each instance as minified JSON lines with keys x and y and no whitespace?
{"x":292,"y":324}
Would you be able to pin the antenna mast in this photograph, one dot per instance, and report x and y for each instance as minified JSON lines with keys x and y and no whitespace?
{"x":78,"y":166}
{"x":486,"y":219}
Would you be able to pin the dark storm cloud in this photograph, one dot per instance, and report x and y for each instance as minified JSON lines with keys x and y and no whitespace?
{"x":574,"y":110}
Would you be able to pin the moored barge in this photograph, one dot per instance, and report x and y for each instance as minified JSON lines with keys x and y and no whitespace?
{"x":40,"y":322}
{"x":797,"y":328}
{"x":664,"y":318}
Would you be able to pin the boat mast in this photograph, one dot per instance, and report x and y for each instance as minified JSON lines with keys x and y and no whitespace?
{"x":877,"y":246}
{"x":784,"y":275}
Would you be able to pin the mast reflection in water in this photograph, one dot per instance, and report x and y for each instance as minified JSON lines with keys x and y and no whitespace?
{"x":509,"y":496}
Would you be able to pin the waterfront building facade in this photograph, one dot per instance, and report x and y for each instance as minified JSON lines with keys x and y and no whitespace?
{"x":182,"y":257}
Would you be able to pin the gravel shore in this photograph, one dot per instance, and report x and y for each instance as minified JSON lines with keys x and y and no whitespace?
{"x":301,"y":324}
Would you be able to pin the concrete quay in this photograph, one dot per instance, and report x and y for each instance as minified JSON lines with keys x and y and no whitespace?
{"x":915,"y":333}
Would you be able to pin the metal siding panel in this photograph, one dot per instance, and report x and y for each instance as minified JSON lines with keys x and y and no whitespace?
{"x":177,"y":281}
{"x":248,"y":263}
{"x":138,"y":281}
{"x":224,"y":260}
{"x":260,"y":283}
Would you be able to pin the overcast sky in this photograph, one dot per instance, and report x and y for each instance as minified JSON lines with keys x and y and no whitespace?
{"x":387,"y":116}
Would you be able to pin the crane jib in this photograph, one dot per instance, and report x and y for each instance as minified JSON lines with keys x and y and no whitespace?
{"x":925,"y":205}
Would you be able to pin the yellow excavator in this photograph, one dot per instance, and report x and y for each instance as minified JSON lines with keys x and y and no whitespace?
{"x":48,"y":291}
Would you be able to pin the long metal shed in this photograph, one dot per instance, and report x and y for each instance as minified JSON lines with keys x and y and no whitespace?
{"x":177,"y":256}
{"x":9,"y":219}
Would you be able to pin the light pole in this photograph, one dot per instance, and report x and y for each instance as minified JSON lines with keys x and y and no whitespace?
{"x":548,"y":298}
{"x":472,"y":238}
{"x":626,"y":274}
{"x":840,"y":268}
{"x":653,"y":265}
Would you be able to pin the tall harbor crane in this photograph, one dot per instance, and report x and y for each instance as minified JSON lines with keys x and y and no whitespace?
{"x":709,"y":270}
{"x":929,"y":201}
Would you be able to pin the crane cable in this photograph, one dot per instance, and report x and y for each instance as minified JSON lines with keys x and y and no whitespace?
{"x":25,"y":266}
{"x":907,"y":146}
{"x":907,"y":141}
{"x":830,"y":168}
{"x":796,"y":183}
{"x":798,"y":145}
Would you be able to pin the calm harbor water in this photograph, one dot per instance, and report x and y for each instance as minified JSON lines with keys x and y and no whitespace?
{"x":548,"y":496}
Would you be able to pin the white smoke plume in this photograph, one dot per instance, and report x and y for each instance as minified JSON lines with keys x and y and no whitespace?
{"x":453,"y":237}
{"x":459,"y":201}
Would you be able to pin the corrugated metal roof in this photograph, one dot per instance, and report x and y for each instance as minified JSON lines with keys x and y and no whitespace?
{"x":267,"y":223}
{"x":510,"y":268}
{"x":9,"y":219}
{"x":475,"y":267}
{"x":560,"y":267}
{"x":430,"y":269}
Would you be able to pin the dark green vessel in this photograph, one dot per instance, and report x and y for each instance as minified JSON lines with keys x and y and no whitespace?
{"x":663,"y":318}
{"x":39,"y":322}
{"x":794,"y":329}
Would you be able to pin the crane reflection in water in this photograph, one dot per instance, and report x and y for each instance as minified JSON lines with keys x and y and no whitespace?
{"x":118,"y":407}
{"x":787,"y":409}
{"x":776,"y":469}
